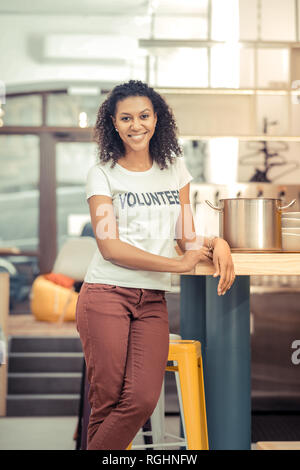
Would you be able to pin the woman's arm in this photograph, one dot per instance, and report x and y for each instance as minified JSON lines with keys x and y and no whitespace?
{"x":124,"y":254}
{"x":187,"y":239}
{"x":185,"y":227}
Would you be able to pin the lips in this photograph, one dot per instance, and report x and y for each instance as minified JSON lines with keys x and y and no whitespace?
{"x":137,"y":137}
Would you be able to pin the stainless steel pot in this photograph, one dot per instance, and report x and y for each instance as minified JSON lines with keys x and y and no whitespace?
{"x":251,"y":224}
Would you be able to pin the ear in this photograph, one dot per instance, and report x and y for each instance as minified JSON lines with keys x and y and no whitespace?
{"x":113,"y":120}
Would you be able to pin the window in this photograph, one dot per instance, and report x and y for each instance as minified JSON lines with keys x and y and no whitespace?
{"x":19,"y":191}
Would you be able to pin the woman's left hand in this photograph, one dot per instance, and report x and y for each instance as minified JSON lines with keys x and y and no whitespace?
{"x":224,"y":265}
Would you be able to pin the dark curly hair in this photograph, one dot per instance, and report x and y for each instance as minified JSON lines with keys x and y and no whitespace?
{"x":163,"y":144}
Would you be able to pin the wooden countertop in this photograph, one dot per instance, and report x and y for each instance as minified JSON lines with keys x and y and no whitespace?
{"x":267,"y":264}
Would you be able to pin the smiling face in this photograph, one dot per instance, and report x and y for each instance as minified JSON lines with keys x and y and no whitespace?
{"x":135,"y":121}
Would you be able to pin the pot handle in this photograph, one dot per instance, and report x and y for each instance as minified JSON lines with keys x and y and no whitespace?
{"x":285,"y":207}
{"x":214,"y":207}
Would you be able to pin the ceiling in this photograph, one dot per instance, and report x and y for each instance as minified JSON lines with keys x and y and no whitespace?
{"x":103,"y":7}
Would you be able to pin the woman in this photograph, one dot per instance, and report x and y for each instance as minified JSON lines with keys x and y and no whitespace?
{"x":138,"y":196}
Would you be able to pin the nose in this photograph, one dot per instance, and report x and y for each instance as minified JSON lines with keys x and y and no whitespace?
{"x":136,"y":124}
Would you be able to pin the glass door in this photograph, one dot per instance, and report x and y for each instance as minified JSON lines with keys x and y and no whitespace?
{"x":73,"y":160}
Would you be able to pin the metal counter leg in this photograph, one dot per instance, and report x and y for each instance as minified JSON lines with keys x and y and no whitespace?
{"x":222,"y":325}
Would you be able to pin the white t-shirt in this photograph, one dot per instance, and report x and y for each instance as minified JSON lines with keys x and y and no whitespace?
{"x":146,"y":206}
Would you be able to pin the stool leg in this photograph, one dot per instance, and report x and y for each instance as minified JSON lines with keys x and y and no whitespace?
{"x":158,"y":421}
{"x":203,"y":420}
{"x":146,"y":430}
{"x":180,"y":400}
{"x":129,"y":446}
{"x":190,"y":390}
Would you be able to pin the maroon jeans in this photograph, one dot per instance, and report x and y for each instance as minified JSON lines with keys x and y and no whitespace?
{"x":124,"y":333}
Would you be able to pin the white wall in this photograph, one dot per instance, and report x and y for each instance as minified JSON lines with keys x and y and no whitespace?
{"x":21,"y":47}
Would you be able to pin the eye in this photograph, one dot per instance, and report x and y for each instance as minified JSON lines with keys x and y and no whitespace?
{"x":125,"y":118}
{"x":145,"y":116}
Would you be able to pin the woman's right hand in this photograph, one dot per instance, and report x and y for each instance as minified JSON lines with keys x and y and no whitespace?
{"x":191,"y":257}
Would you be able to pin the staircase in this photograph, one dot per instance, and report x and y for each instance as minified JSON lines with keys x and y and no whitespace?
{"x":44,"y":376}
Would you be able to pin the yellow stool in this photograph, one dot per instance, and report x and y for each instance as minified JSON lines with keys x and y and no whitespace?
{"x":187,"y":354}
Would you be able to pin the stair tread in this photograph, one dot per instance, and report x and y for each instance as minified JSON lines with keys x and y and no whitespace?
{"x":45,"y":344}
{"x":44,"y":374}
{"x":30,"y":337}
{"x":45,"y":362}
{"x":46,"y":354}
{"x":42,"y":396}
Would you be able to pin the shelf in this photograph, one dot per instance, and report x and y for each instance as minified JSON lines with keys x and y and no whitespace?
{"x":157,"y":43}
{"x":263,"y":137}
{"x":226,"y":91}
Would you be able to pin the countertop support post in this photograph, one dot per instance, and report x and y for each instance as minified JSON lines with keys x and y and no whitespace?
{"x":222,"y":325}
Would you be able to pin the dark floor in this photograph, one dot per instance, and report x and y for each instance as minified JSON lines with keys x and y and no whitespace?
{"x":275,"y":426}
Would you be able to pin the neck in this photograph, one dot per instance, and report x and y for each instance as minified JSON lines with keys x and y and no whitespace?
{"x":141,"y":159}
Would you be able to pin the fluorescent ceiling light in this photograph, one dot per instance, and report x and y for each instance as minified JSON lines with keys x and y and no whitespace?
{"x":80,"y":90}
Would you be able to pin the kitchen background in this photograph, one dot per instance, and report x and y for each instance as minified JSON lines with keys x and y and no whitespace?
{"x":230,"y":70}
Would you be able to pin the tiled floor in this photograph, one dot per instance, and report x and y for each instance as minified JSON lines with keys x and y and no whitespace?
{"x":52,"y":433}
{"x":38,"y":433}
{"x":56,"y":433}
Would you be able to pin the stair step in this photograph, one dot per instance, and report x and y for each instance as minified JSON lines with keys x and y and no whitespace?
{"x":42,"y":382}
{"x":45,"y":344}
{"x":45,"y":362}
{"x":42,"y":405}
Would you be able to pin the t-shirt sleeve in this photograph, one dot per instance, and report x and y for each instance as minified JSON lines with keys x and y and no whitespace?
{"x":97,"y":183}
{"x":184,"y":175}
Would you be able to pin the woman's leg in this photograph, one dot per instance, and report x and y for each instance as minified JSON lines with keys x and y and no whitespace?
{"x":145,"y":367}
{"x":103,"y":324}
{"x":123,"y":399}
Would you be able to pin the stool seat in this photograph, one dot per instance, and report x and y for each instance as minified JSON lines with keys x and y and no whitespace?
{"x":183,"y":347}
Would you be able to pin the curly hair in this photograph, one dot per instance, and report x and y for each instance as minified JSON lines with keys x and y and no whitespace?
{"x":163,"y":144}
